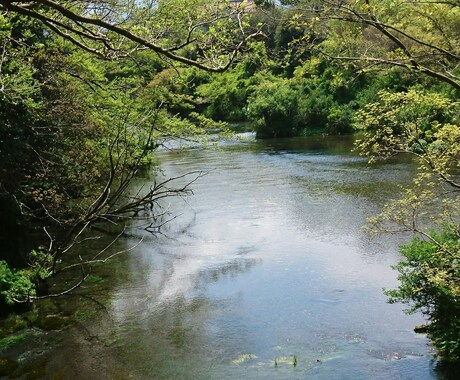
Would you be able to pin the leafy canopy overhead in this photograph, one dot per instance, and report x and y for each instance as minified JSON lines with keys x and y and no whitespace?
{"x":202,"y":33}
{"x":422,"y":36}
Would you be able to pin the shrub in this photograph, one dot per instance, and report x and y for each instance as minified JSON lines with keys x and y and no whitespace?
{"x":274,"y":106}
{"x":430,"y":282}
{"x":14,"y":284}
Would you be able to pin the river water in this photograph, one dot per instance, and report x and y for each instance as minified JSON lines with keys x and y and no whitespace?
{"x":264,"y":274}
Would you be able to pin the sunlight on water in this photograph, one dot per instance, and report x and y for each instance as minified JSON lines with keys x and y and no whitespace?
{"x":267,"y":262}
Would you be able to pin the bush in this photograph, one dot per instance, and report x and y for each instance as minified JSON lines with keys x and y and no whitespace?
{"x":225,"y":95}
{"x":14,"y":284}
{"x":430,"y":282}
{"x":340,"y":119}
{"x":317,"y":98}
{"x":274,"y":106}
{"x":18,"y":285}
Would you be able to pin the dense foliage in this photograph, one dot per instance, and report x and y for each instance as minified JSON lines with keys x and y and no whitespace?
{"x":75,"y":129}
{"x":425,"y":125}
{"x":429,"y":278}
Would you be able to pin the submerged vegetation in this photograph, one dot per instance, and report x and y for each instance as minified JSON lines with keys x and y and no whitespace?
{"x":7,"y":342}
{"x":89,"y":90}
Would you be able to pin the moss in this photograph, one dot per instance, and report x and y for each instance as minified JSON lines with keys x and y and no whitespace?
{"x":94,"y":279}
{"x":55,"y":322}
{"x":81,"y":316}
{"x":7,"y":342}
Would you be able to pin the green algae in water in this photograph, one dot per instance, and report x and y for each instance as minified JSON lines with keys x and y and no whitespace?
{"x":7,"y":342}
{"x":82,"y":315}
{"x":95,"y":279}
{"x":283,"y":360}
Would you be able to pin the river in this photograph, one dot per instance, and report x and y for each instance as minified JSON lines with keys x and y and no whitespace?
{"x":264,"y":274}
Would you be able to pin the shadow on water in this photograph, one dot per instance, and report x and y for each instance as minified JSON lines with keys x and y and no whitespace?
{"x":447,"y":371}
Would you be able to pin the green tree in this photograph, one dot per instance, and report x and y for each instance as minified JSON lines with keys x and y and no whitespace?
{"x":424,"y":125}
{"x":76,"y":130}
{"x":225,"y":96}
{"x":201,"y":33}
{"x":430,"y":283}
{"x":419,"y":36}
{"x":274,"y":108}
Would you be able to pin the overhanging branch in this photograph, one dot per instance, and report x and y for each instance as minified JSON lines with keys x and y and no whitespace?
{"x":65,"y":22}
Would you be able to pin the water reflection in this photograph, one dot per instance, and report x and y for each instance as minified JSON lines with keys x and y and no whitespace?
{"x":268,"y":259}
{"x":266,"y":262}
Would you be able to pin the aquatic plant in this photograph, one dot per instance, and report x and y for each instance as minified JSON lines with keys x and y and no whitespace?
{"x":7,"y":342}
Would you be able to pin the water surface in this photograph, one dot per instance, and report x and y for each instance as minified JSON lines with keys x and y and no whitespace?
{"x":266,"y":262}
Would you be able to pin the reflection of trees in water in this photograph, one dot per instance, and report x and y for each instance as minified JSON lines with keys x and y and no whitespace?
{"x":230,"y":269}
{"x":175,"y":322}
{"x":200,"y":279}
{"x":181,"y":322}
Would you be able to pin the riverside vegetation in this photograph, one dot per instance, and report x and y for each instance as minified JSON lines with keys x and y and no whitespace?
{"x":88,"y":91}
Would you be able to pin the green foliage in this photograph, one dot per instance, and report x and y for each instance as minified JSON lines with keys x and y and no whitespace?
{"x":70,"y":125}
{"x":319,"y":97}
{"x":225,"y":96}
{"x":388,"y":33}
{"x":46,"y":126}
{"x":40,"y":264}
{"x":339,"y":119}
{"x":412,"y":121}
{"x":392,"y":80}
{"x":274,"y":106}
{"x":429,"y":282}
{"x":425,"y":125}
{"x":7,"y":342}
{"x":15,"y":285}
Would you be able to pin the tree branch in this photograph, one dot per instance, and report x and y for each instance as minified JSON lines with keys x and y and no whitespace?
{"x":65,"y":12}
